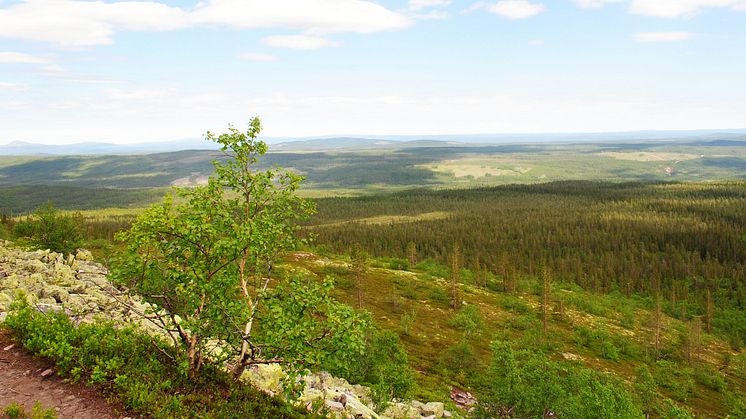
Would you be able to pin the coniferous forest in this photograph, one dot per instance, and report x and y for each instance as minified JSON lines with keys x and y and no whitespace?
{"x":685,"y":243}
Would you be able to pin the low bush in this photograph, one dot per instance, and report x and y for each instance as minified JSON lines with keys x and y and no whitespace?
{"x":147,"y":376}
{"x":709,"y":377}
{"x":676,"y":379}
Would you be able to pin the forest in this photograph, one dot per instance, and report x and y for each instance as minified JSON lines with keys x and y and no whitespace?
{"x":683,"y":242}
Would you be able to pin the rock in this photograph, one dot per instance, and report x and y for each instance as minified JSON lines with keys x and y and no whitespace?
{"x":59,"y":294}
{"x":3,"y":274}
{"x":358,"y":410}
{"x":83,"y":255}
{"x":432,"y":409}
{"x":47,"y":372}
{"x":447,"y":414}
{"x":3,"y":315}
{"x":429,"y":417}
{"x":462,"y":398}
{"x":266,"y":377}
{"x":334,"y":406}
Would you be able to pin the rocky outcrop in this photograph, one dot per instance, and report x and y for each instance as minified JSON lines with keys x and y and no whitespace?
{"x":79,"y":286}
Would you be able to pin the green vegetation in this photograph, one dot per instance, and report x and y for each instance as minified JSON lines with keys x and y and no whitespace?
{"x":16,"y":411}
{"x":615,"y":239}
{"x":148,"y":376}
{"x":583,"y":298}
{"x":528,"y":384}
{"x":206,"y":262}
{"x":48,"y":229}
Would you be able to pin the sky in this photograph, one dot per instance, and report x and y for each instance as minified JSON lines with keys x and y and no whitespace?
{"x":139,"y":71}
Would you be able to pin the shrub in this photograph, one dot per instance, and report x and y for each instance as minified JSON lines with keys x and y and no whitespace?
{"x":528,"y":384}
{"x":384,"y":368}
{"x":468,"y":319}
{"x":674,"y":378}
{"x":407,"y":321}
{"x":459,"y":358}
{"x":673,"y":411}
{"x":398,"y":264}
{"x":609,"y":351}
{"x":146,"y":375}
{"x":709,"y":377}
{"x":49,"y":229}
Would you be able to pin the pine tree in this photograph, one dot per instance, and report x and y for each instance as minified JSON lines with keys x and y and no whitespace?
{"x":412,"y":253}
{"x":546,"y":279}
{"x":455,"y":273}
{"x":358,"y":258}
{"x":708,"y":312}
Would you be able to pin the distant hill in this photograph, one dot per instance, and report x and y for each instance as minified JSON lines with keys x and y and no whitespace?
{"x":355,"y":143}
{"x":23,"y":148}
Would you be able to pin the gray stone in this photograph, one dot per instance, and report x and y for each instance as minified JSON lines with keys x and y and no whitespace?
{"x":47,"y":372}
{"x":334,"y":406}
{"x":432,"y":409}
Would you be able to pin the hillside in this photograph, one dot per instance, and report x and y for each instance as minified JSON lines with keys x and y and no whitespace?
{"x":612,"y":334}
{"x":73,"y":181}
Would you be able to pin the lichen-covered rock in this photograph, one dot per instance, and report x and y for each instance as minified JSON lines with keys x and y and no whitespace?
{"x":432,"y":409}
{"x":59,"y":294}
{"x":83,"y":255}
{"x":267,"y":378}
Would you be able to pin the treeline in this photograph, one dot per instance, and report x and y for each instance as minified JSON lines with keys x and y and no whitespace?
{"x":18,"y":200}
{"x":684,"y":242}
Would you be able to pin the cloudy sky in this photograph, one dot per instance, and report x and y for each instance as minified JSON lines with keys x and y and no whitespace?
{"x":133,"y":71}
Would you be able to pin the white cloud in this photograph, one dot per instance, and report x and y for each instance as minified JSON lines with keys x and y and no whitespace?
{"x":663,"y":36}
{"x":424,"y":4}
{"x":680,"y":8}
{"x":83,"y":23}
{"x":319,"y":16}
{"x":74,"y":24}
{"x":595,"y":4}
{"x":515,"y":9}
{"x":21,"y":58}
{"x":256,"y":56}
{"x":298,"y":42}
{"x":9,"y":86}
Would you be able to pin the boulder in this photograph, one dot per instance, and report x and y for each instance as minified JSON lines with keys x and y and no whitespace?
{"x":83,"y":255}
{"x":432,"y":409}
{"x":357,"y":409}
{"x":59,"y":294}
{"x":266,"y":377}
{"x":334,"y":406}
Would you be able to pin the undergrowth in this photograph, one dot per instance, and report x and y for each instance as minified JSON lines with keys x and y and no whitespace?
{"x":145,"y":375}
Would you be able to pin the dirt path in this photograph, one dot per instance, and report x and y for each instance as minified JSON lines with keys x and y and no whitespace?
{"x":21,"y":381}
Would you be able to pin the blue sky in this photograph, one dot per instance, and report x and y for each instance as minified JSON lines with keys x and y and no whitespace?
{"x":74,"y":71}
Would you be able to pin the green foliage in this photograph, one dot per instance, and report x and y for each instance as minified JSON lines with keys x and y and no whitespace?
{"x":383,"y":367}
{"x":207,"y":259}
{"x":300,"y":319}
{"x":646,"y":390}
{"x":707,"y":376}
{"x":460,"y":358}
{"x":677,"y":380}
{"x":528,"y":384}
{"x":671,"y":410}
{"x":731,"y":323}
{"x":16,"y":411}
{"x":141,"y":372}
{"x":469,"y":320}
{"x":609,"y":351}
{"x":49,"y":229}
{"x":407,"y":321}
